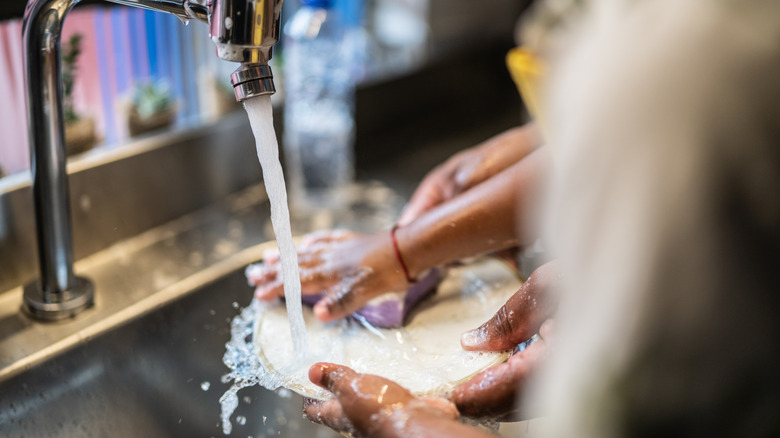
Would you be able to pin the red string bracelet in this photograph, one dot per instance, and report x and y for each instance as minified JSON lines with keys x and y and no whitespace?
{"x":398,"y":256}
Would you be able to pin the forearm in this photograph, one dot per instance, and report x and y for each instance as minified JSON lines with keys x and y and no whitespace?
{"x":489,"y":217}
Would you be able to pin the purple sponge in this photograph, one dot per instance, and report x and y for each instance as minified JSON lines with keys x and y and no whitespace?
{"x":390,"y":310}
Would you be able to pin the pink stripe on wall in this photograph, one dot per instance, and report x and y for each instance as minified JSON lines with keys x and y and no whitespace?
{"x":86,"y":92}
{"x":14,"y":153}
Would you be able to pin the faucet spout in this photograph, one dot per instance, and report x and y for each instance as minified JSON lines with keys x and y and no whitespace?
{"x":244,"y":31}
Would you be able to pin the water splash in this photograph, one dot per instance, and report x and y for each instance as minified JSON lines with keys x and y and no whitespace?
{"x":244,"y":363}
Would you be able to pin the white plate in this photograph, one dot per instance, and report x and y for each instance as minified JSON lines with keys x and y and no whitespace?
{"x":424,"y":356}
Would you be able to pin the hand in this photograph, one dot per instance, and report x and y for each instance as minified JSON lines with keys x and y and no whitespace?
{"x":469,"y":168}
{"x":349,"y":268}
{"x":372,"y":406}
{"x":493,"y":393}
{"x":521,"y":316}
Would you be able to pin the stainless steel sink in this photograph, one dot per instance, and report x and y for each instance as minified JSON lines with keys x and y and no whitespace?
{"x":146,"y":361}
{"x":156,"y":376}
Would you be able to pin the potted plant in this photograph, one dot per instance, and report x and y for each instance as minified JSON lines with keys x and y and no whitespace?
{"x":151,"y":108}
{"x":225,"y":98}
{"x":79,"y":129}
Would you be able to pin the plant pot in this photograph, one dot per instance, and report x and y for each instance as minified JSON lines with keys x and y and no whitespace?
{"x":137,"y":125}
{"x":80,"y":135}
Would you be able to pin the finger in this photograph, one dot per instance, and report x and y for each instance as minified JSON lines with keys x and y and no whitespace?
{"x":259,"y":273}
{"x":313,"y":282}
{"x":443,"y":406}
{"x":310,"y":259}
{"x":343,"y":298}
{"x":316,"y":281}
{"x":334,"y":378}
{"x":326,"y":236}
{"x":426,"y":197}
{"x":494,"y":392}
{"x":269,"y":290}
{"x":518,"y":319}
{"x":328,"y":413}
{"x":271,"y":255}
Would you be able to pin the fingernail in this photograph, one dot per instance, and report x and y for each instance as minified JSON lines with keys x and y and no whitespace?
{"x":471,"y":339}
{"x":321,"y":312}
{"x":316,"y":372}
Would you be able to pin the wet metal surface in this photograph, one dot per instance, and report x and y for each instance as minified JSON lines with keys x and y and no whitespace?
{"x":147,"y":379}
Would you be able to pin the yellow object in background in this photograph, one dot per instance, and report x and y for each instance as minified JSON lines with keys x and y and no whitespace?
{"x":528,"y":73}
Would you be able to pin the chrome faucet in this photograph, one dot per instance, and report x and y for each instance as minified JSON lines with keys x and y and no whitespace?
{"x":244,"y":31}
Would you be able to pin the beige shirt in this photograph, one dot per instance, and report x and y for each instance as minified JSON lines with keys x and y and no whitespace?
{"x":665,"y":212}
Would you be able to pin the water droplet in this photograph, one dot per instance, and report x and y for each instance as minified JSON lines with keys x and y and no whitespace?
{"x":264,"y":418}
{"x":235,"y":305}
{"x":284,"y":393}
{"x":241,"y":420}
{"x":247,"y":399}
{"x":205,"y":386}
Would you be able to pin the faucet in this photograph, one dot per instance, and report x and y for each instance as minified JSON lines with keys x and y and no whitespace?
{"x":244,"y":31}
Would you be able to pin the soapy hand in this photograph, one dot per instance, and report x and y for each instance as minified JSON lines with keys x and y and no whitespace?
{"x":494,"y":392}
{"x":349,"y":268}
{"x":371,"y":406}
{"x":469,"y":168}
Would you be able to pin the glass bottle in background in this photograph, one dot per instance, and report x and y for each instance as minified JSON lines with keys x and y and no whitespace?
{"x":319,"y":126}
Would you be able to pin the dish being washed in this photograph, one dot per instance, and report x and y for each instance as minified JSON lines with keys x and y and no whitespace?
{"x":424,"y":355}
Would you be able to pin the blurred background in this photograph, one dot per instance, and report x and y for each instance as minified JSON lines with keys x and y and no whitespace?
{"x":124,"y":65}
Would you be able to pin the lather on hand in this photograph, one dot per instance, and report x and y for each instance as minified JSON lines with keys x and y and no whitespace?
{"x":367,"y":405}
{"x":495,"y":392}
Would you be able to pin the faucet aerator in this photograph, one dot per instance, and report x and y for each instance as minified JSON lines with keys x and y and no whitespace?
{"x":251,"y":80}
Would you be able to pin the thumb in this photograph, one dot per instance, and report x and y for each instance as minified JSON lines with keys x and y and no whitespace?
{"x":335,"y":378}
{"x":518,"y":319}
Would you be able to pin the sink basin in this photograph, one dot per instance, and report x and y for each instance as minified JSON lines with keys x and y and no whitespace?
{"x":155,"y":376}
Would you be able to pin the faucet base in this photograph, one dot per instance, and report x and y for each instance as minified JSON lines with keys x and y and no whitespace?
{"x":53,"y":307}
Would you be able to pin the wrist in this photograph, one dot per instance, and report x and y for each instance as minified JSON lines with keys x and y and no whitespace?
{"x":399,"y":257}
{"x":410,"y":257}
